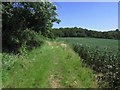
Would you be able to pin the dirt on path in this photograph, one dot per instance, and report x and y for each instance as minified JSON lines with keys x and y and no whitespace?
{"x":52,"y":79}
{"x":53,"y":82}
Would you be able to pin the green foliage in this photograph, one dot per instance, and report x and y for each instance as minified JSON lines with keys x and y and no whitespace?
{"x":24,"y":39}
{"x":80,"y":32}
{"x":49,"y":34}
{"x":37,"y":15}
{"x":30,"y":38}
{"x":103,"y":62}
{"x":111,"y":45}
{"x":18,"y":16}
{"x":102,"y":55}
{"x":36,"y":68}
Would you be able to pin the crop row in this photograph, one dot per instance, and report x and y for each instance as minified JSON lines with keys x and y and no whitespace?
{"x":105,"y":64}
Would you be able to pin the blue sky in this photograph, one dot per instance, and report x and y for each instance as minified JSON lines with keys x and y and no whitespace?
{"x":100,"y":16}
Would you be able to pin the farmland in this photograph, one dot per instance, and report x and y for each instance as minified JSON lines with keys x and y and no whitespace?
{"x":93,"y":42}
{"x":35,"y":54}
{"x":101,"y":55}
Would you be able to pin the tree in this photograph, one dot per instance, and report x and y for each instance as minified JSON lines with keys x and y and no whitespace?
{"x":37,"y":15}
{"x":18,"y":16}
{"x":117,"y":30}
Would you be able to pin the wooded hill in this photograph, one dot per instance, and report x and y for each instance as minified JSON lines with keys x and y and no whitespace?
{"x":80,"y":32}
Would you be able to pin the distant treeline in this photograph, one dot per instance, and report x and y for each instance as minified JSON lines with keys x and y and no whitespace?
{"x":80,"y":32}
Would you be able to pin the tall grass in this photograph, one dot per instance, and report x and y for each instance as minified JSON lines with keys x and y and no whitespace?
{"x":34,"y":69}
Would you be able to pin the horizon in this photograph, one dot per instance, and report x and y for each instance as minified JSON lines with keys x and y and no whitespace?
{"x":87,"y":29}
{"x":101,"y":16}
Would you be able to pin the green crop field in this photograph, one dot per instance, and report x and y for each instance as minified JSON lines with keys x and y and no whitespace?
{"x":100,"y":54}
{"x":110,"y":44}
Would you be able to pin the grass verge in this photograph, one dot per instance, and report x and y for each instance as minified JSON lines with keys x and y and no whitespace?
{"x":53,"y":65}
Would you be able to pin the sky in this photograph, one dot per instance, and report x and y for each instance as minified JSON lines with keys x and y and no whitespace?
{"x":99,"y":16}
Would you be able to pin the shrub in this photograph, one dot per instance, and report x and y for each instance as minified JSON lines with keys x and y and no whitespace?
{"x":23,"y":39}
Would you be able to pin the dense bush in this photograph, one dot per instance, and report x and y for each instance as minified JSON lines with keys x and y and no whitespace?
{"x":49,"y":34}
{"x":103,"y":62}
{"x":23,"y":39}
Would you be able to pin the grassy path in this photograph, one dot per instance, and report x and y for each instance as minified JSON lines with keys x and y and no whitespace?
{"x":53,"y":80}
{"x":53,"y":65}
